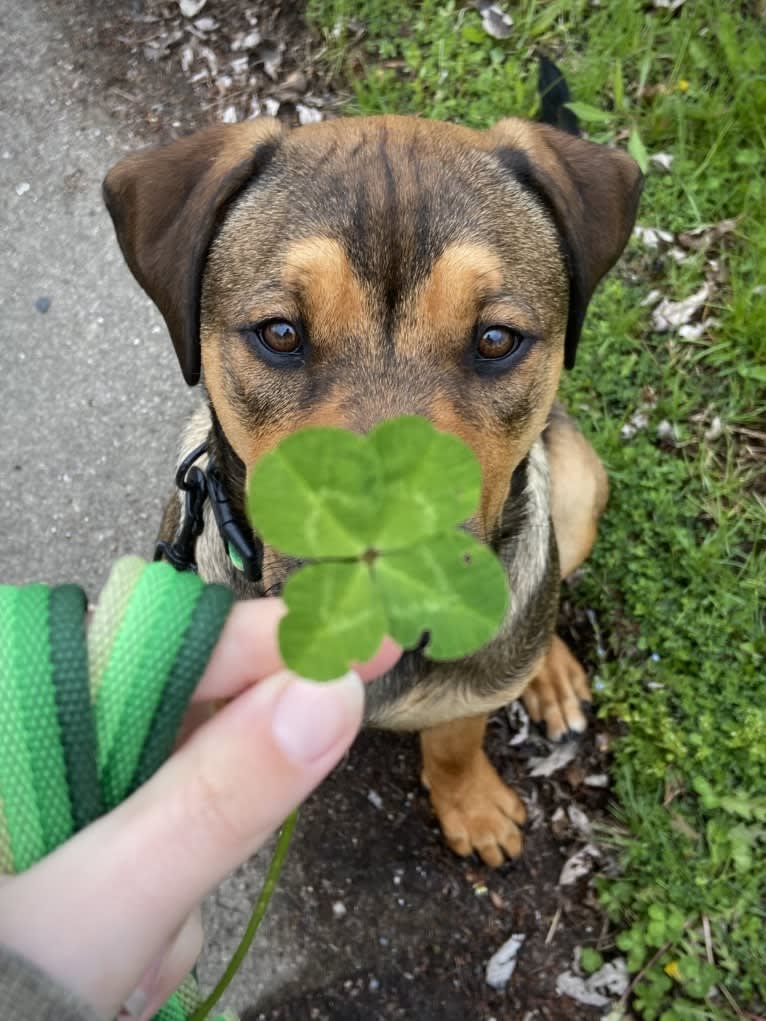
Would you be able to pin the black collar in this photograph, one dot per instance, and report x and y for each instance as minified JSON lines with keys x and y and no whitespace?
{"x":200,"y":484}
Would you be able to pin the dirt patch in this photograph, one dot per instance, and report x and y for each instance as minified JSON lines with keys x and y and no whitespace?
{"x":394,"y":925}
{"x":161,"y":74}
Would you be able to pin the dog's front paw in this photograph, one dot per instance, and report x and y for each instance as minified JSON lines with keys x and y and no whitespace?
{"x":557,"y":693}
{"x":478,"y":812}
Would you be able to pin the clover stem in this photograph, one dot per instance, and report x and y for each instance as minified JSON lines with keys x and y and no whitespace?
{"x":272,"y":878}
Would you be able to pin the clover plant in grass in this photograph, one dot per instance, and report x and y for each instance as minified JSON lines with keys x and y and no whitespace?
{"x":378,"y":519}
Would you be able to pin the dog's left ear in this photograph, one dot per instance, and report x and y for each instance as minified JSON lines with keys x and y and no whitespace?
{"x":592,"y":194}
{"x":166,"y":204}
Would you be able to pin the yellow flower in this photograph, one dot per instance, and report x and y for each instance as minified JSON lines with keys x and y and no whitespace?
{"x":673,"y":970}
{"x":683,"y":85}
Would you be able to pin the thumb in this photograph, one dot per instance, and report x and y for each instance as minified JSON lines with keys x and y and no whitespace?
{"x":97,"y":911}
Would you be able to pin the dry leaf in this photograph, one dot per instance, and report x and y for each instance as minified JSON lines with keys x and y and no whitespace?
{"x":670,"y":315}
{"x":636,"y":423}
{"x":667,"y":432}
{"x":579,"y":865}
{"x":703,"y":237}
{"x":518,"y":717}
{"x":247,"y":41}
{"x":579,"y":820}
{"x":502,"y":963}
{"x":191,"y":8}
{"x":597,"y":780}
{"x":652,"y":236}
{"x":595,"y":991}
{"x":547,"y":765}
{"x":663,"y":160}
{"x":308,"y":114}
{"x":495,"y":21}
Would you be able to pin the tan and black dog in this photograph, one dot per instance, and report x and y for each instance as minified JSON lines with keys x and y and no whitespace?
{"x":359,"y":269}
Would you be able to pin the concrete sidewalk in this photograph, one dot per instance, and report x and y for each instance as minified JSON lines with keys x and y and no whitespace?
{"x":91,"y":395}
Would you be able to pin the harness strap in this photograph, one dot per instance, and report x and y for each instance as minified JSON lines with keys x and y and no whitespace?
{"x":245,"y":550}
{"x":85,"y":721}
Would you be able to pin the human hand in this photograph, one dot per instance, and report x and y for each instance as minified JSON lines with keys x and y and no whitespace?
{"x":112,"y":913}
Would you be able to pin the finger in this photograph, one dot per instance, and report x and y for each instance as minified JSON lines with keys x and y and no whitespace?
{"x":176,"y":965}
{"x":104,"y":905}
{"x":247,"y":650}
{"x":388,"y":653}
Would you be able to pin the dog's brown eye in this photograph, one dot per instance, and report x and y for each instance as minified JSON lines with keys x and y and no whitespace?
{"x":280,"y":336}
{"x":498,"y":341}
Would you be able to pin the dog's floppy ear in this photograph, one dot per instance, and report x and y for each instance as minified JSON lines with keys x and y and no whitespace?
{"x":590,"y":191}
{"x":166,"y":204}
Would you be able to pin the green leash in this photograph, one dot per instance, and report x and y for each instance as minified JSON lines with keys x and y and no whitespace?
{"x":85,"y":721}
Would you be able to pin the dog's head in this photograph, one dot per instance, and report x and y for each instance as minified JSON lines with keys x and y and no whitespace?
{"x":360,"y":269}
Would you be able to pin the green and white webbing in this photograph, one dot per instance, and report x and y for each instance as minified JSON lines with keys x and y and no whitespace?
{"x":86,"y":719}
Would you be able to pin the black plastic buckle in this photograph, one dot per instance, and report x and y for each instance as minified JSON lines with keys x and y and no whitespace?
{"x":244,"y":554}
{"x":191,"y":480}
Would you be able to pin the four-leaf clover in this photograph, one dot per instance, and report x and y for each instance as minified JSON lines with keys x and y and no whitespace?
{"x":378,"y":519}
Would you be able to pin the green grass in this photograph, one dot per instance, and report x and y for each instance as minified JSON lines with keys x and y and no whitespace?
{"x":677,"y":572}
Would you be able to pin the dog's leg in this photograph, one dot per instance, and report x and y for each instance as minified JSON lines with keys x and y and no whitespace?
{"x":476,"y":810}
{"x":579,"y":490}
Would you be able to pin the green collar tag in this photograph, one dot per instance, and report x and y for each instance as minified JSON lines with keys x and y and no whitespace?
{"x":235,"y":558}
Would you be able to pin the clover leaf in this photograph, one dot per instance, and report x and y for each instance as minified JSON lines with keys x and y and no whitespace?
{"x":379,"y":518}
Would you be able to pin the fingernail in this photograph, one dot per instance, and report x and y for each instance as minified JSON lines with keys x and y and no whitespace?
{"x":310,"y":718}
{"x":135,"y":1005}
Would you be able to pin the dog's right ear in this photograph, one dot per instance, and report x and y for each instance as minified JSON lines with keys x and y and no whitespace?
{"x":166,"y":204}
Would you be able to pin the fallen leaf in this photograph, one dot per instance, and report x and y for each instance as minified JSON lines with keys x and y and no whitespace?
{"x":497,"y":901}
{"x":577,"y":988}
{"x":579,"y":865}
{"x":651,"y":299}
{"x":547,"y":765}
{"x":191,"y":8}
{"x":652,"y":236}
{"x":502,"y":963}
{"x":579,"y":820}
{"x":246,"y":41}
{"x":702,"y":237}
{"x":637,"y":422}
{"x":270,"y":53}
{"x":187,"y":58}
{"x":518,"y":717}
{"x":663,"y":160}
{"x":695,"y":331}
{"x":308,"y":114}
{"x":670,"y":315}
{"x":559,"y":823}
{"x":667,"y":432}
{"x":210,"y":59}
{"x":715,"y":430}
{"x":597,"y":780}
{"x":595,"y":991}
{"x":495,"y":21}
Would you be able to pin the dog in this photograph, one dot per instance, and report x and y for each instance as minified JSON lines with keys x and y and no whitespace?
{"x":359,"y":269}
